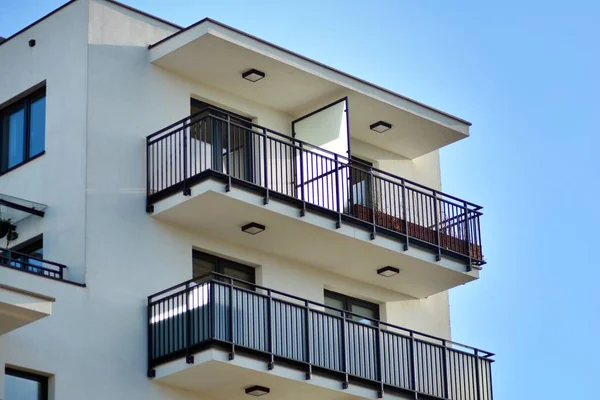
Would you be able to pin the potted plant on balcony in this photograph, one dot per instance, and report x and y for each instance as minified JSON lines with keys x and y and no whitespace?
{"x":5,"y":226}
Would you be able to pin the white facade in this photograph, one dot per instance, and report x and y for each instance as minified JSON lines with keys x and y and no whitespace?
{"x":105,"y":93}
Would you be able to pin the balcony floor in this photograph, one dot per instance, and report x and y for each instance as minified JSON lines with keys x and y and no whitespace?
{"x":310,"y":239}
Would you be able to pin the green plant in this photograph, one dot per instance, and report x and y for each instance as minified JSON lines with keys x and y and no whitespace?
{"x":5,"y":226}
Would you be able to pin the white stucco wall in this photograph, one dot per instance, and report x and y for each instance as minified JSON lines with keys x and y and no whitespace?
{"x":103,"y":99}
{"x":56,"y":179}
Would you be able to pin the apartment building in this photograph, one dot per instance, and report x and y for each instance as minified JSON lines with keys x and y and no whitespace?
{"x":196,"y":213}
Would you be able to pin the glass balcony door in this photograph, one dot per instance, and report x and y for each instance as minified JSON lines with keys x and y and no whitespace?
{"x":210,"y":137}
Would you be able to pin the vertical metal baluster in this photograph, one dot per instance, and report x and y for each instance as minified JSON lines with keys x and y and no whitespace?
{"x":373,"y":201}
{"x":266,"y":200}
{"x":307,"y":343}
{"x":228,"y":164}
{"x":270,"y":330}
{"x":467,"y":238}
{"x":188,"y":324}
{"x":477,"y":373}
{"x":231,"y":323}
{"x":344,"y":352}
{"x":413,"y":382}
{"x":379,"y":357}
{"x":148,"y":190}
{"x":437,"y":224}
{"x":490,"y":385}
{"x":404,"y":212}
{"x":302,"y":185}
{"x":212,"y":307}
{"x":186,"y":190}
{"x":337,"y":191}
{"x":150,"y":339}
{"x":445,"y":370}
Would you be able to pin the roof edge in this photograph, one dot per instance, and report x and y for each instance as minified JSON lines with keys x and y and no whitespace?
{"x":235,"y":30}
{"x":125,"y":6}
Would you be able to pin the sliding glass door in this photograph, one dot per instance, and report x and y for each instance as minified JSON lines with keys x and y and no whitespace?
{"x":218,"y":151}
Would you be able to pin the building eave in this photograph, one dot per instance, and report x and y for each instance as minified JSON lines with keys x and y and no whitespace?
{"x":311,"y":61}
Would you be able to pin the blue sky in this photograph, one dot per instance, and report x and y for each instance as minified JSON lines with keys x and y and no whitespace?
{"x":526,"y":75}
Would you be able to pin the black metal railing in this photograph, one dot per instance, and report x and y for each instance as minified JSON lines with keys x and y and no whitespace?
{"x":181,"y":154}
{"x":217,"y":309}
{"x":30,"y":264}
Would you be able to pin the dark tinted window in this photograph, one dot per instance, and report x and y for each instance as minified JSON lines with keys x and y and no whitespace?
{"x":204,"y":263}
{"x":361,"y":308}
{"x":23,"y":130}
{"x":19,"y":385}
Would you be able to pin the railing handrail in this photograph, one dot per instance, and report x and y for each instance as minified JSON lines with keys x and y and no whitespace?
{"x":11,"y":252}
{"x":354,"y":162}
{"x":209,"y":277}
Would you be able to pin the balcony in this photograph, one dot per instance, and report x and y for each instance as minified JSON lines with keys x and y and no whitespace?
{"x":244,"y":172}
{"x":19,"y":307}
{"x":266,"y":335}
{"x":31,"y":265}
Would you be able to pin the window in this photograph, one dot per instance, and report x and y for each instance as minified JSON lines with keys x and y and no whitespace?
{"x":205,"y":263}
{"x":19,"y":385}
{"x":356,"y":306}
{"x":31,"y":251}
{"x":213,"y":138}
{"x":22,"y":130}
{"x":360,"y":178}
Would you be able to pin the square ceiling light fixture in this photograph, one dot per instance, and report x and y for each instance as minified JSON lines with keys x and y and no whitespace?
{"x":253,"y":228}
{"x":388,"y":271}
{"x":258,"y":391}
{"x":381,"y":126}
{"x":253,"y":75}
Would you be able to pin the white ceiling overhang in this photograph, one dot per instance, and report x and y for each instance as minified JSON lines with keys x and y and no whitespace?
{"x":216,"y":55}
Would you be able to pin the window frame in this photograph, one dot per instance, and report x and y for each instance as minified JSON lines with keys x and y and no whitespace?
{"x":41,"y":379}
{"x":26,"y":246}
{"x":348,"y":301}
{"x":366,"y":175}
{"x":23,"y":102}
{"x":220,"y":268}
{"x":240,"y":122}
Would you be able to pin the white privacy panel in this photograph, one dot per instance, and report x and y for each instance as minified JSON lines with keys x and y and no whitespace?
{"x":321,"y":178}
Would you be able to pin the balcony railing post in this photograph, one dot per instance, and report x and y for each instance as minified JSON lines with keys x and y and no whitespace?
{"x":446,"y":370}
{"x":265,"y":162}
{"x":270,"y":346}
{"x":379,"y":361}
{"x":150,"y":338}
{"x":186,"y":189}
{"x":344,"y":356}
{"x":373,"y":203}
{"x":302,"y":185}
{"x":467,"y":235}
{"x":437,"y":223}
{"x":404,"y":212}
{"x":212,"y":307}
{"x":307,"y":347}
{"x":413,"y":355}
{"x":337,"y":192}
{"x":231,"y":320}
{"x":188,"y":322}
{"x":147,"y":168}
{"x":477,"y":375}
{"x":228,"y":154}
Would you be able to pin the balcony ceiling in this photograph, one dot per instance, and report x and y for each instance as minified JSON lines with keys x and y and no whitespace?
{"x":227,"y":380}
{"x":310,"y":240}
{"x":216,"y":56}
